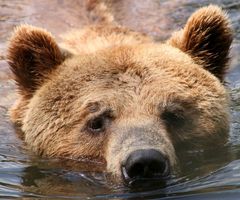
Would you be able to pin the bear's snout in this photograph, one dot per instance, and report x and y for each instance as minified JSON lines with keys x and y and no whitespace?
{"x":145,"y":164}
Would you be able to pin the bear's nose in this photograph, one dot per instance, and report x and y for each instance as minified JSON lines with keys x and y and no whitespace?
{"x":145,"y":164}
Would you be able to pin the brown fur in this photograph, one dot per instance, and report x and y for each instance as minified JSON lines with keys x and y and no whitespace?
{"x":149,"y":95}
{"x":32,"y":54}
{"x":207,"y":38}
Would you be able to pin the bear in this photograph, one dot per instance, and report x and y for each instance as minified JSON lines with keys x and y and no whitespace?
{"x":116,"y":96}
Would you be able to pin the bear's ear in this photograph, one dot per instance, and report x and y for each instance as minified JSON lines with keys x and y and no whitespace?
{"x":206,"y":37}
{"x":32,"y":55}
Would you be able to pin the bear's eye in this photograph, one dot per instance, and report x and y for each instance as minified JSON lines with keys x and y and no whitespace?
{"x":173,"y":119}
{"x":96,"y":125}
{"x":99,"y":123}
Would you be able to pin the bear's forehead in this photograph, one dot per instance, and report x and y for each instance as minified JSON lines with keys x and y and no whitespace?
{"x":147,"y":74}
{"x":144,"y":67}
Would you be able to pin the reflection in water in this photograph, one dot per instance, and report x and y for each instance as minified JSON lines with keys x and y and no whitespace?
{"x":211,"y":173}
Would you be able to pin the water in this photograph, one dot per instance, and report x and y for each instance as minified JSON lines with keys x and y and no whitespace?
{"x":212,"y":173}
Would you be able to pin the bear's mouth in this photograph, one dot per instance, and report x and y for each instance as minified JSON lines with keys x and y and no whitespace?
{"x":159,"y":180}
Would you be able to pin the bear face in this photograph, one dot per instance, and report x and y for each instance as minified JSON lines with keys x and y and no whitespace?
{"x":116,"y":96}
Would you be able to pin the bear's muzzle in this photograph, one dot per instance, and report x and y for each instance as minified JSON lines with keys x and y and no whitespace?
{"x":144,"y":165}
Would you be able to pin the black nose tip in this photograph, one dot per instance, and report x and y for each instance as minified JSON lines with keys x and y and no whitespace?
{"x":147,"y":163}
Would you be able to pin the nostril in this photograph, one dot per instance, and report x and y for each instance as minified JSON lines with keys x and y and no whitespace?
{"x":137,"y":170}
{"x":160,"y":168}
{"x":145,"y":164}
{"x":156,"y":167}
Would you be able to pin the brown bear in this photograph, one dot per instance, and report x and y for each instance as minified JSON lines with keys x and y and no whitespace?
{"x":113,"y":95}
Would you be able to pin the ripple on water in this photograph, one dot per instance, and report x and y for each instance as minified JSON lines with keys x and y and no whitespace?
{"x":31,"y":177}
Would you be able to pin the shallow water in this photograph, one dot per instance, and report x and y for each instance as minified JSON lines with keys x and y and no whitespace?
{"x":214,"y":173}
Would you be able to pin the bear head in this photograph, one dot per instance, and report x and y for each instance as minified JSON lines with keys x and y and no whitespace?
{"x":128,"y":105}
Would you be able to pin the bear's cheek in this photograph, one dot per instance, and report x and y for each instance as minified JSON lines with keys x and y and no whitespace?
{"x":57,"y":138}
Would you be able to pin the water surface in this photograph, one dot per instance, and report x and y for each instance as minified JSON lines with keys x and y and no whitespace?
{"x":214,"y":173}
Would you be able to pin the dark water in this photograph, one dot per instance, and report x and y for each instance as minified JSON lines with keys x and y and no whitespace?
{"x":211,"y":174}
